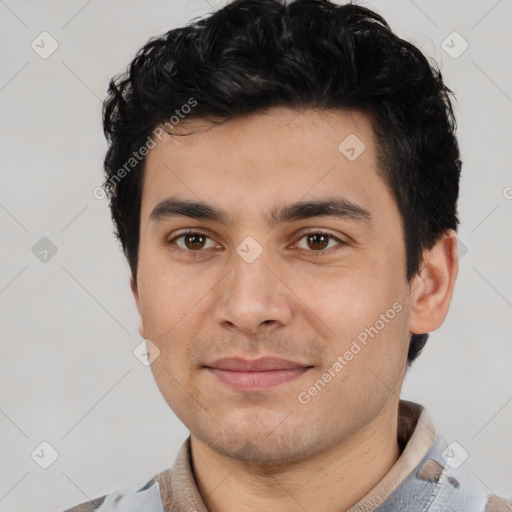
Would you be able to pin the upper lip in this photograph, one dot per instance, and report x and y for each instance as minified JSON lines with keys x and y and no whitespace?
{"x":239,"y":364}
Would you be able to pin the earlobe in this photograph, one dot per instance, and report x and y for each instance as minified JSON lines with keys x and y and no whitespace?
{"x":135,"y":292}
{"x":432,"y":288}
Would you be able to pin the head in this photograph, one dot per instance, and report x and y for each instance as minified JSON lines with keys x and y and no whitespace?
{"x":247,"y":129}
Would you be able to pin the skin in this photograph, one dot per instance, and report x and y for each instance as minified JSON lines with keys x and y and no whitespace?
{"x":265,"y":450}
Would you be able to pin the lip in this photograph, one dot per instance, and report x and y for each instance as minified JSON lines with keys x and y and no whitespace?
{"x":239,"y":364}
{"x":257,"y":374}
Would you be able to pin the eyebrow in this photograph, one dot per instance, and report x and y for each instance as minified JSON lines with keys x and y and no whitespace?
{"x":336,"y":207}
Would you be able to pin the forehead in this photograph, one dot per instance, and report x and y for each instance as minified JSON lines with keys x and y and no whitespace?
{"x":266,"y":158}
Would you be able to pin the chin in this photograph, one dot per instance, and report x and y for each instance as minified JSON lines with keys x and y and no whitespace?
{"x":265,"y":452}
{"x":254,"y":442}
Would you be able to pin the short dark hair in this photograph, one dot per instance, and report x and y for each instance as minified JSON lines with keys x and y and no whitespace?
{"x":255,"y":54}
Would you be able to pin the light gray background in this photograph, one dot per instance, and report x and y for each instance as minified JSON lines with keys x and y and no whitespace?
{"x":68,"y":374}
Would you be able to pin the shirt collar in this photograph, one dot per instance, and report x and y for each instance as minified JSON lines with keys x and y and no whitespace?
{"x":415,"y":436}
{"x":179,"y":491}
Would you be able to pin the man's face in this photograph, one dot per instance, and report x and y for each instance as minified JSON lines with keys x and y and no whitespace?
{"x":250,"y":284}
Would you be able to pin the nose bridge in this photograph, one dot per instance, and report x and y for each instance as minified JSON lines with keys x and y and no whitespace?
{"x":251,"y":296}
{"x":247,"y":276}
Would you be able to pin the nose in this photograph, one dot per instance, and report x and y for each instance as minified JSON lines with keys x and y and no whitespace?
{"x":253,"y":297}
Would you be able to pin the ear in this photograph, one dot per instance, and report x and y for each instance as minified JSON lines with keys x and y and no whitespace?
{"x":135,"y":292}
{"x":432,"y":288}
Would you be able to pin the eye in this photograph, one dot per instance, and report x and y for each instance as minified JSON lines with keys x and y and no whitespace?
{"x":193,"y":241}
{"x":315,"y":242}
{"x":319,"y":242}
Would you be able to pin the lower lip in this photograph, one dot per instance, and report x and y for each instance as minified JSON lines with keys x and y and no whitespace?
{"x":257,"y":381}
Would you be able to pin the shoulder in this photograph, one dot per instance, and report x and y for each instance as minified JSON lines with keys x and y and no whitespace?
{"x":444,"y":481}
{"x":458,"y":488}
{"x":453,"y":483}
{"x":88,"y":506}
{"x":143,"y":498}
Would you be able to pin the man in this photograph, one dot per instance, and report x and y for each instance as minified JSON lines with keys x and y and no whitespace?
{"x":284,"y":181}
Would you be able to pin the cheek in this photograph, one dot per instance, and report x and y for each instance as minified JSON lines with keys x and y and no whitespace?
{"x":349,"y":298}
{"x":365,"y":311}
{"x":171,"y":299}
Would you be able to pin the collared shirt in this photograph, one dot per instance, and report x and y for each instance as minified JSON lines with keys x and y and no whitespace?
{"x":429,"y":476}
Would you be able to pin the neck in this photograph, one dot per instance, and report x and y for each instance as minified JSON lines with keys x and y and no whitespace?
{"x":329,"y":482}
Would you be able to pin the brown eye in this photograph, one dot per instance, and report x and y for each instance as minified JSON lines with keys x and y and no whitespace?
{"x":193,"y":241}
{"x":318,"y":242}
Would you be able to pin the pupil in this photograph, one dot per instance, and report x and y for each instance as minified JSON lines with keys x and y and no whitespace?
{"x":319,"y":239}
{"x":192,"y":240}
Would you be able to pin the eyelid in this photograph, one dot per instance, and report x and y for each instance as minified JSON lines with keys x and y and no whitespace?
{"x":188,"y":231}
{"x":299,"y":236}
{"x":320,"y":231}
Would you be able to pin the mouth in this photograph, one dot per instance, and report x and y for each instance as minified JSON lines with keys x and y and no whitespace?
{"x":256,"y":375}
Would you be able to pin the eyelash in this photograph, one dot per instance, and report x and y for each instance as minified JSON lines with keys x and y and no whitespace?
{"x":319,"y":253}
